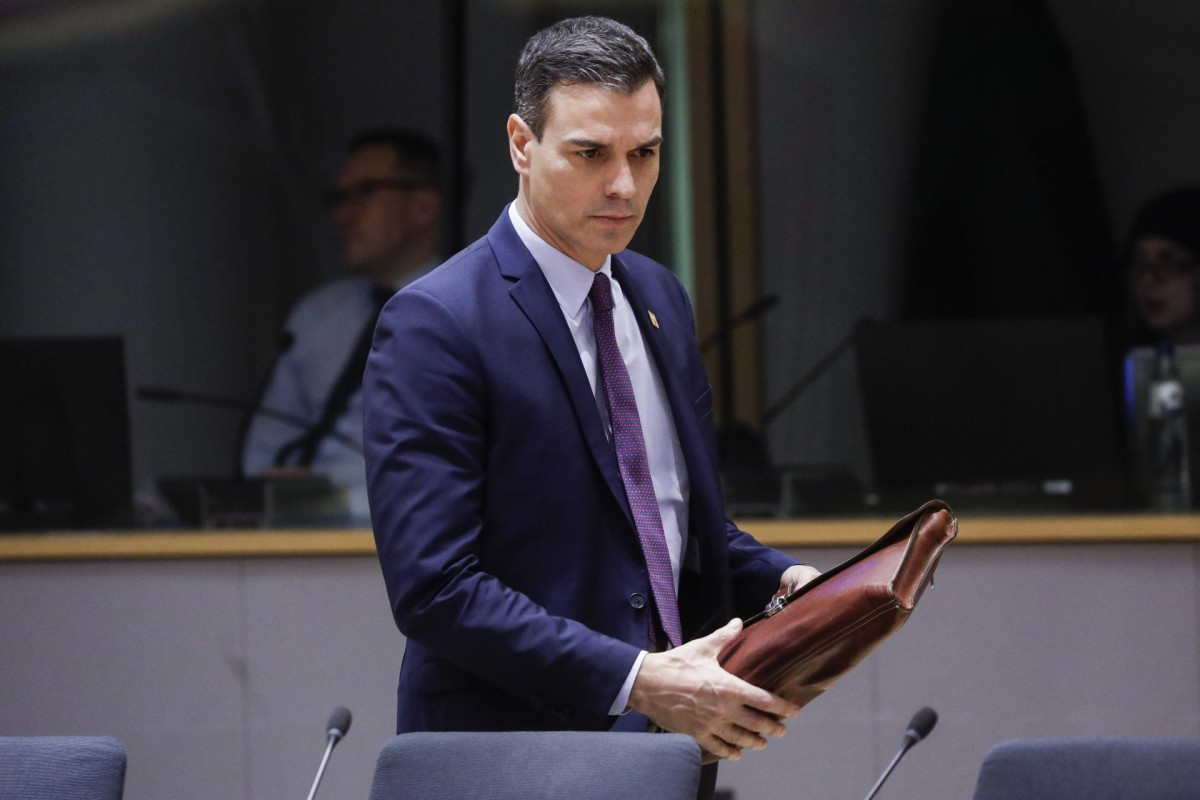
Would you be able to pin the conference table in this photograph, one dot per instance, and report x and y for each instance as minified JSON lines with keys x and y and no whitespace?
{"x":216,"y":655}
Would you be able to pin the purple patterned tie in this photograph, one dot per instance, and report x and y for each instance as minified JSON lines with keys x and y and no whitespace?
{"x":631,"y":457}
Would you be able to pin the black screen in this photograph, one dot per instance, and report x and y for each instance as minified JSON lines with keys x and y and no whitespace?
{"x":1000,"y":402}
{"x":64,"y":434}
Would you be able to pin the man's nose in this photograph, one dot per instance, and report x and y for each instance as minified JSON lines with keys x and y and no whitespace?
{"x":622,"y":184}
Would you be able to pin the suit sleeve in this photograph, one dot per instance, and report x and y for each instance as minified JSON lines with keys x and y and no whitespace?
{"x":426,"y":433}
{"x":755,"y":570}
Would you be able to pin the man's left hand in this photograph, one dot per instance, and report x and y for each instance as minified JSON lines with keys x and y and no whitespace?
{"x":795,"y":577}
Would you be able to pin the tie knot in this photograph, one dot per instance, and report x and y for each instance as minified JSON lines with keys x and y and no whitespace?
{"x":601,"y":292}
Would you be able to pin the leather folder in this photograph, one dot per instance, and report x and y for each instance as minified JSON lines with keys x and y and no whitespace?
{"x":804,"y":641}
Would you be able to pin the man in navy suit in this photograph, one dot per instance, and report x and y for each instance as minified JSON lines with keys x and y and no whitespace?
{"x":541,"y":460}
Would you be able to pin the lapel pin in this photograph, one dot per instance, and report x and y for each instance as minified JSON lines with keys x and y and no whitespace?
{"x":653,"y":319}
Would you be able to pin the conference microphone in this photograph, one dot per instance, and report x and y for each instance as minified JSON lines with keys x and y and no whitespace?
{"x":820,"y":368}
{"x":337,"y":727}
{"x":749,"y":314}
{"x":159,"y":394}
{"x":918,"y":728}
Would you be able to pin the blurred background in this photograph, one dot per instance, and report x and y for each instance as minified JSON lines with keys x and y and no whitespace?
{"x":829,"y":167}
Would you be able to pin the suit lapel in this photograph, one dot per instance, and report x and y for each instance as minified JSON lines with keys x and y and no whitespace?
{"x":658,"y":338}
{"x":532,"y":293}
{"x":701,"y":607}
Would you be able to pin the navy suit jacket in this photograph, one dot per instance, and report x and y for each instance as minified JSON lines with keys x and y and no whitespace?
{"x":506,"y":540}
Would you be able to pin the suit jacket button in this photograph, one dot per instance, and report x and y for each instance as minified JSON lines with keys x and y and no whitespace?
{"x":636,"y":600}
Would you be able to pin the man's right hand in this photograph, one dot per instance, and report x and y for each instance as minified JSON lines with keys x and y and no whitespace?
{"x":685,"y":690}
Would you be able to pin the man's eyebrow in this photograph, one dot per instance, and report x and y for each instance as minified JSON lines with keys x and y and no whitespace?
{"x":588,"y":144}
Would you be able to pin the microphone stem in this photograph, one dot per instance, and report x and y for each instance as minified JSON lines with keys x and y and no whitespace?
{"x":819,"y":369}
{"x":204,"y":399}
{"x":321,"y":769}
{"x":908,"y":742}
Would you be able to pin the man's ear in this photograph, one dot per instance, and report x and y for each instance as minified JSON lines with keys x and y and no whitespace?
{"x":520,"y":137}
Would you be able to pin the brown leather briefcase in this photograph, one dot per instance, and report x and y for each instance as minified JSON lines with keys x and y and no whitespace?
{"x":808,"y":639}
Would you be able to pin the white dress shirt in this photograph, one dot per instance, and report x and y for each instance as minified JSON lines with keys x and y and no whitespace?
{"x":323,"y":328}
{"x":571,"y":281}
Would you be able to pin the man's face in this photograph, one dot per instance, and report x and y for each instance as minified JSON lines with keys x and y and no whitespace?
{"x":585,"y":185}
{"x":376,"y":217}
{"x":1166,"y":283}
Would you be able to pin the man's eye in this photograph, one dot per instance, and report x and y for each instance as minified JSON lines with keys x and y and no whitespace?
{"x":647,"y":152}
{"x":589,"y":154}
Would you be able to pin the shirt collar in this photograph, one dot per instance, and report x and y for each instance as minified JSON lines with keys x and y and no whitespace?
{"x":569,"y":280}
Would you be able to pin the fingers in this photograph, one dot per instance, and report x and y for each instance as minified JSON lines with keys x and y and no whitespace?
{"x":758,"y":709}
{"x":686,"y":690}
{"x":804,"y":574}
{"x":712,"y":644}
{"x":772,"y":705}
{"x":722,"y":636}
{"x":730,"y":743}
{"x":746,"y":727}
{"x":718,"y":747}
{"x":757,"y":724}
{"x":795,"y":577}
{"x":739,"y":737}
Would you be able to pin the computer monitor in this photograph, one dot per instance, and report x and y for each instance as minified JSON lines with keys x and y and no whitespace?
{"x":1010,"y":413}
{"x":1139,"y":371}
{"x":64,"y":434}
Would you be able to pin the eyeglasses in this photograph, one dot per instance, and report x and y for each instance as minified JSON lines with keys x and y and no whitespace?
{"x":361,"y":191}
{"x":1163,"y":265}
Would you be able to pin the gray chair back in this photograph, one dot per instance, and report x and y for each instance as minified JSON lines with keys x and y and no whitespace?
{"x":538,"y":766}
{"x":1095,"y":769}
{"x":61,"y":768}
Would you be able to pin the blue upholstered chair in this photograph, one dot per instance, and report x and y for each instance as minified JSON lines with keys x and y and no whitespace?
{"x":61,"y":768}
{"x":1095,"y":769}
{"x":538,"y":766}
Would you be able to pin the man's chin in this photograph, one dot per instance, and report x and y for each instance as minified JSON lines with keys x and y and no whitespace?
{"x":616,"y":241}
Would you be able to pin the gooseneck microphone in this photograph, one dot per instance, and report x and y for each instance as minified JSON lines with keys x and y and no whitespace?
{"x":752,"y":312}
{"x":159,"y":394}
{"x":338,"y":726}
{"x":918,"y":728}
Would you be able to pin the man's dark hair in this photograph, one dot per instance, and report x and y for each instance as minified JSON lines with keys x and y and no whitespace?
{"x":1173,"y":214}
{"x":417,"y":154}
{"x":584,"y":50}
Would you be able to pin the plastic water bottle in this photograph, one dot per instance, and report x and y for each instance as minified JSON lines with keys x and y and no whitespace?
{"x":1170,"y":481}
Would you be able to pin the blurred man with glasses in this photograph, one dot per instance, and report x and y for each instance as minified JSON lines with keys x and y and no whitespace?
{"x":1163,"y":260}
{"x":384,"y":208}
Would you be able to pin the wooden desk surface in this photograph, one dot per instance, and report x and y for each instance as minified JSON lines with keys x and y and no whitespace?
{"x":309,"y":542}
